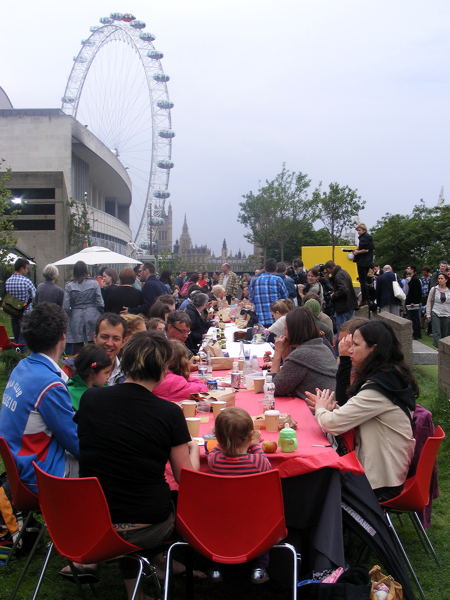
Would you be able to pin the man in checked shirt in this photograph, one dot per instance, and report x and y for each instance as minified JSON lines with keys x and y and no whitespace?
{"x":20,"y":286}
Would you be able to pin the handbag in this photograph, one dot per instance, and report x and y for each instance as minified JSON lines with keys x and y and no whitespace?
{"x":397,"y":290}
{"x":384,"y":586}
{"x":12,"y":306}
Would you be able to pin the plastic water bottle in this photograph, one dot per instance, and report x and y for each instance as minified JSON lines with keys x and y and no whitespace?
{"x":269,"y":394}
{"x":209,"y":368}
{"x":255,"y":364}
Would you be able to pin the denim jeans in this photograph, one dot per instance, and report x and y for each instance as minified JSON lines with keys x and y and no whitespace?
{"x":440,"y":327}
{"x":342,"y":317}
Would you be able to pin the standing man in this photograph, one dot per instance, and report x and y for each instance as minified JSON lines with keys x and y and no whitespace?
{"x":386,"y":301}
{"x":288,"y":281}
{"x":363,"y":259}
{"x":151,"y":290}
{"x":265,"y":289}
{"x":37,"y":416}
{"x":413,"y":300}
{"x":229,"y":281}
{"x":110,"y":334}
{"x":343,"y":295}
{"x":181,"y":279}
{"x":20,"y":286}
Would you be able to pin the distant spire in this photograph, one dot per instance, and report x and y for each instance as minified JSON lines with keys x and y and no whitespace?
{"x":224,"y":245}
{"x":185,"y":226}
{"x":441,"y":199}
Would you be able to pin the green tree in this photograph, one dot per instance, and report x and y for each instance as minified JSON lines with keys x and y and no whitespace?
{"x":337,"y":209}
{"x":421,"y":238}
{"x":79,"y":225}
{"x":7,"y":239}
{"x":274,"y":213}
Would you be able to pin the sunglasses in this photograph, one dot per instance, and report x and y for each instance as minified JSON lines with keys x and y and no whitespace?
{"x":183,"y":331}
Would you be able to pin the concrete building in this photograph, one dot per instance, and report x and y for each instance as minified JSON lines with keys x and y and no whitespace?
{"x":55,"y":159}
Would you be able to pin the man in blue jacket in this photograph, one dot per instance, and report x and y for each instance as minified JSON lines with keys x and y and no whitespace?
{"x":36,"y":418}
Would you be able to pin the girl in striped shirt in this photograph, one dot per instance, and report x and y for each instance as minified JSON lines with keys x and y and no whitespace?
{"x":239,"y":453}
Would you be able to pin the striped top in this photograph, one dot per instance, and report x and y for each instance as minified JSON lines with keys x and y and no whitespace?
{"x":253,"y":461}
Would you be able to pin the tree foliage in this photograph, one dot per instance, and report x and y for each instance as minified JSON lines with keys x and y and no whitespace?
{"x":421,"y":238}
{"x":7,"y":239}
{"x":337,"y":209}
{"x":79,"y":225}
{"x":274,"y":214}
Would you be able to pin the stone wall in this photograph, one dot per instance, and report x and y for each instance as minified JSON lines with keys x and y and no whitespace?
{"x":403,"y":331}
{"x":444,"y":366}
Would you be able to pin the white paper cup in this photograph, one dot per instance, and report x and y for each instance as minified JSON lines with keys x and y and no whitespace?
{"x":189,"y":407}
{"x":271,"y":418}
{"x":217,"y":405}
{"x":193,"y":424}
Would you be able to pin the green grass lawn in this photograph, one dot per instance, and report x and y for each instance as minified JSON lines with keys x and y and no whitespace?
{"x":435,"y":580}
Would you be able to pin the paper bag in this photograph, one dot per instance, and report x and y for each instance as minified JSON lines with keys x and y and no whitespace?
{"x":221,"y":363}
{"x":227,"y":395}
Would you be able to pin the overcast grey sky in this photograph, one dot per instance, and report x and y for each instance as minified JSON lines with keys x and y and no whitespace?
{"x":351,"y":91}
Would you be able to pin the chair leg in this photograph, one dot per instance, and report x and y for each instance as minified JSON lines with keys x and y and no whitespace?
{"x":28,"y":561}
{"x":405,"y":556}
{"x":290,"y":548}
{"x":424,"y":536}
{"x":169,"y":568}
{"x":19,"y":536}
{"x":42,"y":572}
{"x":141,"y":561}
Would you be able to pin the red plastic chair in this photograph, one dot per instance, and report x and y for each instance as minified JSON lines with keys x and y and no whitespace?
{"x":6,"y":342}
{"x":416,"y":495}
{"x":246,"y":518}
{"x":79,"y":524}
{"x":22,"y":500}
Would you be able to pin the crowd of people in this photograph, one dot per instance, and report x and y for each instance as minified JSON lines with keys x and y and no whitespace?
{"x":108,"y":410}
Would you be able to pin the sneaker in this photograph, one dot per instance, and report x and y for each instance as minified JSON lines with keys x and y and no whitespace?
{"x":216,"y":576}
{"x":259,"y":576}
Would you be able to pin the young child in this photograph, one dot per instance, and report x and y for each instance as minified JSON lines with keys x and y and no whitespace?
{"x":239,"y":453}
{"x":92,"y":368}
{"x":178,"y":384}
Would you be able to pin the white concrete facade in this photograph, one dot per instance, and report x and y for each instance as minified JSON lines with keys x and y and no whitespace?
{"x":53,"y":159}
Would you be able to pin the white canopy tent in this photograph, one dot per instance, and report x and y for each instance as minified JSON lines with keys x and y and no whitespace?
{"x":97,"y":255}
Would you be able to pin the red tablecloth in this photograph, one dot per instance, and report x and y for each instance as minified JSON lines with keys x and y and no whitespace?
{"x":308,"y":457}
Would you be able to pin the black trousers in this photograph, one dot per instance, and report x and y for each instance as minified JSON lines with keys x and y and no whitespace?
{"x":414,"y":317}
{"x":362,"y":276}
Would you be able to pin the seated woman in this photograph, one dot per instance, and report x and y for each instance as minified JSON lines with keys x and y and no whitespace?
{"x":159,"y":310}
{"x":136,"y":324}
{"x":279,"y":309}
{"x":382,"y":400}
{"x":196,"y":311}
{"x":127,"y":435}
{"x":178,"y":384}
{"x":308,"y":363}
{"x":218,"y":297}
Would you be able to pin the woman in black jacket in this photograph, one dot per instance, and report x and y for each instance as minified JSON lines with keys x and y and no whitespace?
{"x":363,"y":259}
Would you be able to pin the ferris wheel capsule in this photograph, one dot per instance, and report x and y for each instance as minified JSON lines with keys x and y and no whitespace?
{"x":165,"y":104}
{"x":163,"y":194}
{"x":80,"y":59}
{"x":68,"y":99}
{"x":146,"y":36}
{"x":155,"y":54}
{"x":88,"y":42}
{"x":127,"y":17}
{"x":116,"y":16}
{"x":167,"y":134}
{"x":106,"y":20}
{"x":165,"y":164}
{"x":94,"y":28}
{"x":137,"y":24}
{"x":161,"y":77}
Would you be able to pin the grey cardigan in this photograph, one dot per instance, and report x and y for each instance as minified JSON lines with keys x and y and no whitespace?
{"x":310,"y":366}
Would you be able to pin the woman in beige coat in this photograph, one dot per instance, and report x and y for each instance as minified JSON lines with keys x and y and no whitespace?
{"x":380,"y":406}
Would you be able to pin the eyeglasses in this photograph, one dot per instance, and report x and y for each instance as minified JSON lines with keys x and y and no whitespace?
{"x":183,"y":331}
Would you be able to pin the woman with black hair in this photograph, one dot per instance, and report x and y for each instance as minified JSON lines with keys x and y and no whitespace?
{"x":83,"y":303}
{"x":127,"y":434}
{"x":382,"y":398}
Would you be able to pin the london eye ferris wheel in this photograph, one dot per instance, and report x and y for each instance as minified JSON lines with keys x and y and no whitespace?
{"x":118,"y":88}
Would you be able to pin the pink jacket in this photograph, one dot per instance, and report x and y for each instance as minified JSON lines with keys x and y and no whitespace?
{"x":176,"y":388}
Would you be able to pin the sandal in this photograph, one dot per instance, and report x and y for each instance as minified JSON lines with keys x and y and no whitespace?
{"x":85,"y":574}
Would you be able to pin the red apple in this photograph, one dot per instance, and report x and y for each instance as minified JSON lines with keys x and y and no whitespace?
{"x":269,"y":446}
